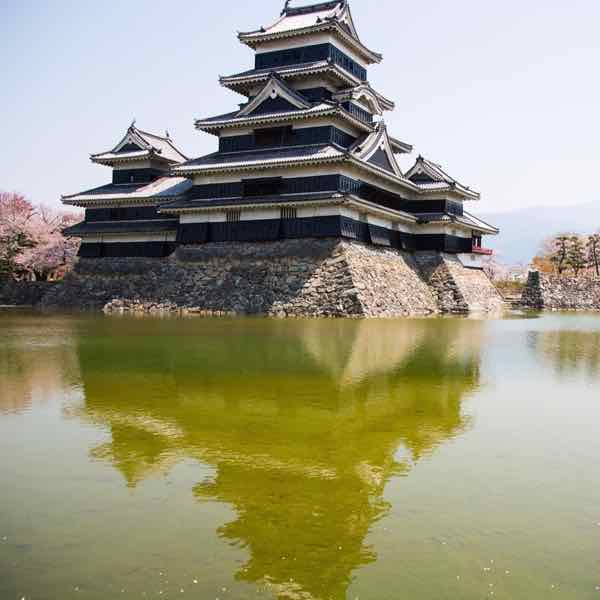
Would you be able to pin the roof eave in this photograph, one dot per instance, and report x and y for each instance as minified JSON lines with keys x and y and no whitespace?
{"x":400,"y":147}
{"x":337,"y":197}
{"x":86,"y":201}
{"x":233,"y":168}
{"x":149,"y":155}
{"x":255,"y":38}
{"x":235,"y":83}
{"x":404,"y":216}
{"x":211,"y":126}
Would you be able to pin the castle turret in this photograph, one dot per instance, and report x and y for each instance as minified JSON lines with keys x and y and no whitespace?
{"x":122,"y":218}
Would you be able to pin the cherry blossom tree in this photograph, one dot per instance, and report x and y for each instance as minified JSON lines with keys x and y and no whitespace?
{"x":32,"y":244}
{"x":51,"y":254}
{"x":16,"y":216}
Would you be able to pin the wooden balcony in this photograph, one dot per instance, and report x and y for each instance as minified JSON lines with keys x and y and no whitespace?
{"x":482,"y":251}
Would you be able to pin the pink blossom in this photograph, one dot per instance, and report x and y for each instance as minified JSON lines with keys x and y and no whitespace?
{"x":31,"y":240}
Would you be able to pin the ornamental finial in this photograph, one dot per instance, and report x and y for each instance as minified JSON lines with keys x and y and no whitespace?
{"x":132,"y":126}
{"x":167,"y":134}
{"x":285,"y":8}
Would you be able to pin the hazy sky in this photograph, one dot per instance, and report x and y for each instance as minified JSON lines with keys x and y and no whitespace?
{"x":505,"y":94}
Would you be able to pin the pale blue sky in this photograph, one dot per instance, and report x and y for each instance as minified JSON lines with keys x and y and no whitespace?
{"x":505,"y":94}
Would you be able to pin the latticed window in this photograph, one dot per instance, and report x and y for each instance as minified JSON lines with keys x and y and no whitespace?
{"x":263,"y":187}
{"x":289,"y":212}
{"x":234,"y":216}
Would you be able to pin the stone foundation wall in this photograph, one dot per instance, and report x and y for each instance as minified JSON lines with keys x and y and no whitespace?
{"x":561,"y":293}
{"x":23,"y":293}
{"x":458,"y":290}
{"x":302,"y":278}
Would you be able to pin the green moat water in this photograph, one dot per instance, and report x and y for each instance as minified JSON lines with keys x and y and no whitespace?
{"x":238,"y":459}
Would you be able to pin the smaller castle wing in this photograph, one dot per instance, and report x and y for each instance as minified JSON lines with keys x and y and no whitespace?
{"x":137,"y":144}
{"x":430,"y":175}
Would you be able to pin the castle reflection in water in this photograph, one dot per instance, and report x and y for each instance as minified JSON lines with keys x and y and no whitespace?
{"x":304,"y":423}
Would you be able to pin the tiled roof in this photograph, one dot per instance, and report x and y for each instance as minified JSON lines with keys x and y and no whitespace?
{"x":292,"y":19}
{"x":121,"y":189}
{"x":164,"y":145}
{"x":479,"y":223}
{"x":276,"y":87}
{"x":365,"y":90}
{"x":364,"y":148}
{"x":466,"y":219}
{"x":165,"y":187}
{"x":313,"y":18}
{"x":224,"y":117}
{"x":259,"y":157}
{"x":439,"y":179}
{"x":257,"y":75}
{"x":91,"y":227}
{"x":279,"y":70}
{"x":231,"y":119}
{"x":146,"y":144}
{"x":184,"y":204}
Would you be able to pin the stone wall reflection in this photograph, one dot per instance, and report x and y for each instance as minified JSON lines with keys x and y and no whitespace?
{"x":304,"y":422}
{"x":569,"y":351}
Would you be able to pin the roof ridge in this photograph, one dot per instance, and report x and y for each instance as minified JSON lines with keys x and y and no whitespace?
{"x":310,"y":8}
{"x":165,"y":139}
{"x":155,"y":135}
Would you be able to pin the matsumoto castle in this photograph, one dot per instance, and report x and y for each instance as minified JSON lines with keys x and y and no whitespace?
{"x":307,"y":155}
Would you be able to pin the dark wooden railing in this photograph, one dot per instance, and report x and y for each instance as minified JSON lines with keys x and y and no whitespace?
{"x":480,"y":250}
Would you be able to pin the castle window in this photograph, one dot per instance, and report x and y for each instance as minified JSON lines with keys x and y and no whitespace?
{"x":234,"y":216}
{"x":289,"y":212}
{"x":273,"y":136}
{"x":269,"y":186}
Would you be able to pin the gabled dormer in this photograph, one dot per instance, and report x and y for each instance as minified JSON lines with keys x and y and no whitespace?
{"x":377,"y":149}
{"x":276,"y":96}
{"x":365,"y":97}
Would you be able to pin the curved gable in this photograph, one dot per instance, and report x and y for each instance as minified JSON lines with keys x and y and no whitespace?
{"x":376,"y":149}
{"x":274,"y":97}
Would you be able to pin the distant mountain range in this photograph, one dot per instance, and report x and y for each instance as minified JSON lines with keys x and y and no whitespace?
{"x":523,"y":231}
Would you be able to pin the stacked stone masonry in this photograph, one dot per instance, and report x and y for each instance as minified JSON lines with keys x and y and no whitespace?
{"x":300,"y":278}
{"x":561,"y":293}
{"x":23,"y":293}
{"x":458,"y":289}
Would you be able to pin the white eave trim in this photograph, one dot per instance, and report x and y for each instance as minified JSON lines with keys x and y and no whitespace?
{"x":309,"y":161}
{"x":254,"y":39}
{"x":146,"y":155}
{"x":335,"y":198}
{"x":270,"y":163}
{"x":283,"y":117}
{"x":381,"y":210}
{"x":110,"y":200}
{"x":233,"y":82}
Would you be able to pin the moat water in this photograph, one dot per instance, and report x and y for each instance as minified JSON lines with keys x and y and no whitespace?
{"x":298,"y":460}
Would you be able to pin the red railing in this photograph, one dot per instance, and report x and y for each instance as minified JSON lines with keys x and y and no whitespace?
{"x":480,"y":250}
